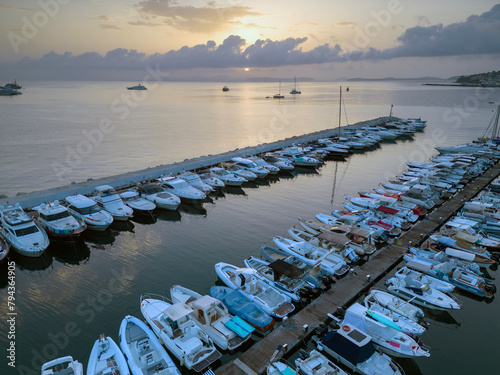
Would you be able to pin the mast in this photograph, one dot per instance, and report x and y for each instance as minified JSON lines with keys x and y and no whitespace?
{"x":494,"y":132}
{"x":340,"y":106}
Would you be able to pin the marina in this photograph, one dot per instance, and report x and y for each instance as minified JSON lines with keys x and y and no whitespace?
{"x":133,"y":244}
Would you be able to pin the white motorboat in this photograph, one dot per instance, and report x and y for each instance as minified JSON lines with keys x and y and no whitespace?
{"x":195,"y":181}
{"x":210,"y":179}
{"x":140,"y":205}
{"x":56,"y":220}
{"x":159,"y":196}
{"x":251,"y":166}
{"x":279,"y":368}
{"x":142,"y":349}
{"x":272,"y":169}
{"x":313,"y":255}
{"x":106,"y":358}
{"x":266,"y":297}
{"x":87,"y":210}
{"x":228,"y":178}
{"x":238,"y":171}
{"x":387,"y":338}
{"x":62,"y":366}
{"x":385,"y":204}
{"x":182,"y":337}
{"x":392,"y":318}
{"x":23,"y":234}
{"x":315,"y":363}
{"x":327,"y":241}
{"x":435,"y":283}
{"x":137,"y":87}
{"x":421,"y":294}
{"x":288,"y":280}
{"x":282,"y":163}
{"x":355,"y":349}
{"x":298,"y":158}
{"x":211,"y":315}
{"x":108,"y":199}
{"x":182,"y":189}
{"x":396,"y":305}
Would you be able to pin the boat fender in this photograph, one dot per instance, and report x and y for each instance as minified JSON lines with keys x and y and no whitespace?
{"x":346,"y":328}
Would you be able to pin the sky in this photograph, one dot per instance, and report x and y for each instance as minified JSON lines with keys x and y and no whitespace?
{"x":244,"y":39}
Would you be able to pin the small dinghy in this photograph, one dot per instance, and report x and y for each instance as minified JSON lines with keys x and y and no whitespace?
{"x":106,"y":358}
{"x":143,"y":351}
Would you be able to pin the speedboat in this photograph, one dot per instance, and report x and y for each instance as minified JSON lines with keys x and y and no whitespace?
{"x":395,"y":304}
{"x":195,"y":181}
{"x":282,"y":163}
{"x":313,"y":255}
{"x":316,"y":276}
{"x":355,"y":349}
{"x":315,"y":363}
{"x":228,"y":178}
{"x":298,"y":158}
{"x":279,"y":368}
{"x":56,"y":220}
{"x":210,"y":179}
{"x":271,"y":300}
{"x":109,"y":200}
{"x":25,"y":236}
{"x":240,"y":305}
{"x":250,"y":165}
{"x":210,"y":314}
{"x":272,"y":169}
{"x":238,"y":171}
{"x":140,"y":205}
{"x":142,"y":349}
{"x":137,"y":87}
{"x":285,"y":277}
{"x":182,"y":189}
{"x":62,"y":366}
{"x":438,"y":284}
{"x":182,"y":337}
{"x":387,"y":338}
{"x":87,"y":210}
{"x":159,"y":196}
{"x":421,"y":294}
{"x":4,"y":248}
{"x":106,"y":358}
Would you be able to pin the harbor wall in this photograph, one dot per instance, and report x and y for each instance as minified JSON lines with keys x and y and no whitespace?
{"x":129,"y":179}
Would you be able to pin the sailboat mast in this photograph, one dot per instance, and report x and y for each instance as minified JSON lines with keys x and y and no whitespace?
{"x":494,"y":133}
{"x":340,"y":106}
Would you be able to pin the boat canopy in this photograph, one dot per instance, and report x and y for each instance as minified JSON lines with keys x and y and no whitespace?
{"x":354,"y":346}
{"x":446,"y":241}
{"x":205,"y":302}
{"x":387,"y":210}
{"x":467,"y":237}
{"x":177,"y":311}
{"x":283,"y":268}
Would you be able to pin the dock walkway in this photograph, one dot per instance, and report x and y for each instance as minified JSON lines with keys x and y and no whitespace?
{"x":347,"y":290}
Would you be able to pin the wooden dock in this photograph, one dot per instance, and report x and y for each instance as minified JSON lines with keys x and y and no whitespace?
{"x":347,"y":290}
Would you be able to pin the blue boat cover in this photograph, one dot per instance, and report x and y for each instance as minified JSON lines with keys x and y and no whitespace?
{"x":446,"y":241}
{"x":239,"y":326}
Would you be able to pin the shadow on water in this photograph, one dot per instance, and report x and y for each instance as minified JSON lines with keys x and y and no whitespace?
{"x":409,"y":366}
{"x":234,"y":190}
{"x":106,"y":237}
{"x":250,"y":184}
{"x":144,"y":219}
{"x":40,"y":263}
{"x":440,"y":316}
{"x":70,"y":253}
{"x":193,"y":209}
{"x":166,"y":215}
{"x":123,"y":226}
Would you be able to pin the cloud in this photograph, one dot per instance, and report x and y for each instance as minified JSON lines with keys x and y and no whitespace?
{"x":106,"y":26}
{"x":8,"y":7}
{"x":476,"y":35}
{"x":101,"y":17}
{"x":190,"y":18}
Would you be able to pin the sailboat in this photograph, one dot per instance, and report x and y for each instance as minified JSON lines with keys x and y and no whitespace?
{"x":295,"y":90}
{"x":279,"y":95}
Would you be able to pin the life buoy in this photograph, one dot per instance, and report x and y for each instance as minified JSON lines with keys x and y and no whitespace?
{"x":346,"y":328}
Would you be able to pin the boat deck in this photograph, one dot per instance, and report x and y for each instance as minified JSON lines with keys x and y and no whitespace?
{"x":347,"y":290}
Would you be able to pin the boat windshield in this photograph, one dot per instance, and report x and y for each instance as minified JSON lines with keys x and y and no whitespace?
{"x":89,"y":210}
{"x":54,"y":217}
{"x":25,"y":231}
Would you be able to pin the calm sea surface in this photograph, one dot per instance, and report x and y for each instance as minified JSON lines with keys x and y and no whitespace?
{"x":56,"y":133}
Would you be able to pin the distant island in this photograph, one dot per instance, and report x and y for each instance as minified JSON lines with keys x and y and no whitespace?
{"x":490,"y":79}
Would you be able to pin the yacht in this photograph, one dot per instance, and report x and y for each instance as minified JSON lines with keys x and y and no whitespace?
{"x":159,"y":196}
{"x":21,"y":232}
{"x":228,"y":178}
{"x":138,"y":204}
{"x":182,"y":189}
{"x":56,"y":220}
{"x":109,"y":200}
{"x":225,"y":88}
{"x":195,"y":181}
{"x":138,"y":87}
{"x":295,"y":89}
{"x":250,"y":165}
{"x":279,"y":95}
{"x":5,"y":91}
{"x":87,"y":210}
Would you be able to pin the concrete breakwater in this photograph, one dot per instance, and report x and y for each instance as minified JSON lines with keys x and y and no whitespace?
{"x":130,"y":179}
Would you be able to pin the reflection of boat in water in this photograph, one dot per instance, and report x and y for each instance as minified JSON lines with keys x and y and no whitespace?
{"x":40,"y":263}
{"x":234,"y":190}
{"x":193,"y":209}
{"x":106,"y":237}
{"x":70,"y":253}
{"x":168,"y":215}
